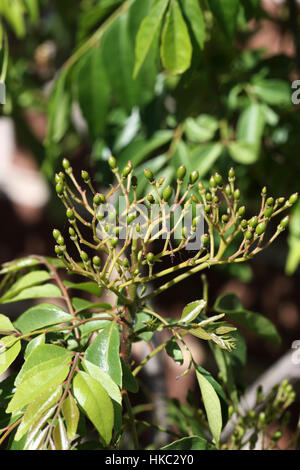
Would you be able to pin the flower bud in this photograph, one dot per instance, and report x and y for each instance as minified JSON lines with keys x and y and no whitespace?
{"x":60,"y":240}
{"x":268,"y":211}
{"x":58,"y":250}
{"x":218,"y":179}
{"x":284,"y":222}
{"x":126,"y":171}
{"x":231,"y":173}
{"x":205,"y":240}
{"x":241,"y":211}
{"x":212,"y":182}
{"x":59,"y":188}
{"x":84,"y":256}
{"x":161,"y":181}
{"x":237,"y":194}
{"x":85,"y":176}
{"x":208,"y":197}
{"x":228,"y":190}
{"x":96,"y":261}
{"x":201,"y":187}
{"x":56,"y":233}
{"x":281,"y":200}
{"x":181,"y":172}
{"x":70,"y":213}
{"x":270,"y":201}
{"x":264,"y":191}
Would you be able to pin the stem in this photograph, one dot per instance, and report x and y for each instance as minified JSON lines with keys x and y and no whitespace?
{"x":131,"y":422}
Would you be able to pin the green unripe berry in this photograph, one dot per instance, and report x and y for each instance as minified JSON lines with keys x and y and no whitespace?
{"x":150,"y":258}
{"x":126,"y":171}
{"x":228,"y":190}
{"x":56,"y":233}
{"x":181,"y":172}
{"x":253,"y":222}
{"x":125,"y":263}
{"x":241,"y":211}
{"x":72,"y":232}
{"x":114,"y":242}
{"x":264,"y":191}
{"x":248,"y":235}
{"x":231,"y":173}
{"x":276,"y":436}
{"x":84,"y":256}
{"x":261,"y":228}
{"x":268,"y":211}
{"x":270,"y":201}
{"x":195,"y":199}
{"x":207,"y":209}
{"x":262,"y":417}
{"x":59,"y":188}
{"x":194,"y":176}
{"x":218,"y":179}
{"x":281,"y":200}
{"x":150,"y":198}
{"x":112,"y":162}
{"x":161,"y":181}
{"x":70,"y":213}
{"x":96,"y":261}
{"x":237,"y":194}
{"x":66,"y":163}
{"x":284,"y":222}
{"x":134,"y":182}
{"x":293,"y":198}
{"x":85,"y":176}
{"x":136,"y":272}
{"x":167,"y":193}
{"x":225,"y":218}
{"x":60,"y":240}
{"x":99,"y":199}
{"x":205,"y":240}
{"x":208,"y":197}
{"x":149,"y":175}
{"x":201,"y":187}
{"x":212,"y":182}
{"x":58,"y":250}
{"x":195,"y":221}
{"x":244,"y":223}
{"x":215,"y":200}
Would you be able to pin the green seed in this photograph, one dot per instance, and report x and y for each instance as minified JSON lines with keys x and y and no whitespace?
{"x":261,"y":228}
{"x":181,"y":172}
{"x":215,"y":200}
{"x":276,"y":436}
{"x":195,"y":199}
{"x":201,"y":187}
{"x":207,"y":209}
{"x":281,"y":200}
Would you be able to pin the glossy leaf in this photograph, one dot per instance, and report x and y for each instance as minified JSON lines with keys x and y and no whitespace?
{"x":212,"y":406}
{"x":273,"y":91}
{"x":231,"y":305}
{"x":129,"y":382}
{"x":243,"y":152}
{"x":142,"y":318}
{"x":40,"y":339}
{"x":60,"y":437}
{"x":5,"y":323}
{"x":59,"y":109}
{"x":94,"y":399}
{"x":173,"y":350}
{"x":36,"y":384}
{"x":93,"y":91}
{"x":82,"y":305}
{"x":8,"y":352}
{"x":194,"y":15}
{"x":30,"y":279}
{"x":226,"y":13}
{"x":104,"y":379}
{"x":251,"y":125}
{"x":104,"y":352}
{"x":90,"y":287}
{"x":201,"y":129}
{"x":192,"y":310}
{"x":40,"y":316}
{"x":37,"y":408}
{"x":71,"y":415}
{"x":37,"y":292}
{"x":190,"y":443}
{"x":147,"y":32}
{"x":176,"y":47}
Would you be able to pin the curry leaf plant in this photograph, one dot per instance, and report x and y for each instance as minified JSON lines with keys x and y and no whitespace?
{"x":78,"y":372}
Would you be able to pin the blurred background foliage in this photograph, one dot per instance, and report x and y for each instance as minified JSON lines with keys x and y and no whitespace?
{"x":162,"y":83}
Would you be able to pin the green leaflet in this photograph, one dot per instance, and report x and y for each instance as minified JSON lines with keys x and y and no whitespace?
{"x":60,"y":437}
{"x":231,"y":305}
{"x":38,"y":382}
{"x":176,"y":47}
{"x":59,"y":109}
{"x":43,"y":357}
{"x":212,"y":406}
{"x":90,"y":287}
{"x":201,"y":129}
{"x":147,"y":32}
{"x":5,"y":323}
{"x":193,"y":13}
{"x":273,"y":91}
{"x":30,"y":279}
{"x":37,"y":408}
{"x":190,"y":443}
{"x":8,"y":353}
{"x":226,"y":13}
{"x":251,"y":125}
{"x":243,"y":152}
{"x":93,"y":91}
{"x":71,"y":415}
{"x":104,"y":352}
{"x":94,"y":399}
{"x":192,"y":310}
{"x":37,"y":292}
{"x":104,"y":379}
{"x":40,"y":316}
